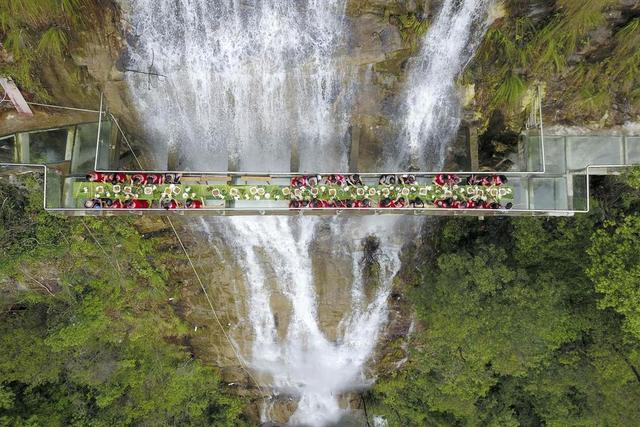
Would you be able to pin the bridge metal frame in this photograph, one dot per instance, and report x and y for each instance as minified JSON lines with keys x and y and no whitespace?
{"x":242,"y":211}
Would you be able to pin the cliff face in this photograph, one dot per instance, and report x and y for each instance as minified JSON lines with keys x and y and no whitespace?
{"x":585,"y":57}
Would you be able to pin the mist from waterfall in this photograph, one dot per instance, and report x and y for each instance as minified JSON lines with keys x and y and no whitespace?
{"x":244,"y":79}
{"x":305,"y":362}
{"x":431,"y":111}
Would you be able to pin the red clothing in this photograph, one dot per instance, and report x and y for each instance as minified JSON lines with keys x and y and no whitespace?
{"x":120,"y":177}
{"x":137,"y":204}
{"x":96,"y":177}
{"x":137,"y":179}
{"x":453,"y":179}
{"x":195,"y":204}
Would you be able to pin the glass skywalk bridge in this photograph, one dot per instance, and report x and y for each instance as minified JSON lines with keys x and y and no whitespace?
{"x":553,"y":180}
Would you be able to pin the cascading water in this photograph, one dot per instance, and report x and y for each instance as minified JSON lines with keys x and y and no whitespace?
{"x":246,"y":78}
{"x":304,"y":362}
{"x":431,"y":111}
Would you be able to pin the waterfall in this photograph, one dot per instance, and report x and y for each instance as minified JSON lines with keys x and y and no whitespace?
{"x":431,"y":111}
{"x":247,"y":79}
{"x":305,"y":362}
{"x":244,"y":80}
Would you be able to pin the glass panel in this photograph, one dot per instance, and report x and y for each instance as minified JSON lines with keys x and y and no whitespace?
{"x":548,"y":193}
{"x":583,"y":151}
{"x":554,"y":154}
{"x":579,"y":200}
{"x":84,"y":148}
{"x":54,"y":189}
{"x":48,"y":146}
{"x":533,"y":153}
{"x":8,"y":149}
{"x":521,"y":195}
{"x":106,"y":151}
{"x":633,"y":149}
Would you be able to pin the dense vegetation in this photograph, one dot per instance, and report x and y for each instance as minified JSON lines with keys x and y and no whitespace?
{"x":528,"y":321}
{"x":584,"y":54}
{"x":35,"y":33}
{"x":88,"y":335}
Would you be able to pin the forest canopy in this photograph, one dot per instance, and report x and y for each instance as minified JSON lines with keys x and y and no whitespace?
{"x":527,"y":321}
{"x":87,"y":334}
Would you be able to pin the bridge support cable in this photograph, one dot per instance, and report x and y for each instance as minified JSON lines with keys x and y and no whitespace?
{"x":200,"y":282}
{"x":126,"y":140}
{"x":213,"y":311}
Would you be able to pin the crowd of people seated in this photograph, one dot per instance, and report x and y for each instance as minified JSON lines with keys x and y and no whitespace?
{"x":446,"y":199}
{"x":167,"y":203}
{"x":135,"y":178}
{"x":138,"y":179}
{"x":441,"y":180}
{"x":397,"y":179}
{"x":336,"y":179}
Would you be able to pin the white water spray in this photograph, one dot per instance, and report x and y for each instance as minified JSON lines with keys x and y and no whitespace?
{"x":244,"y":78}
{"x":432,"y":110}
{"x":304,"y":362}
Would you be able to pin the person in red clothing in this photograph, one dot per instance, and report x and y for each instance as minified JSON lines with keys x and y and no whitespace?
{"x":95,"y":177}
{"x":136,"y":204}
{"x":366,"y":203}
{"x":498,"y":180}
{"x":485,"y":181}
{"x":194,"y":204}
{"x":118,"y":178}
{"x":439,"y":180}
{"x":117,"y":204}
{"x":138,"y":179}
